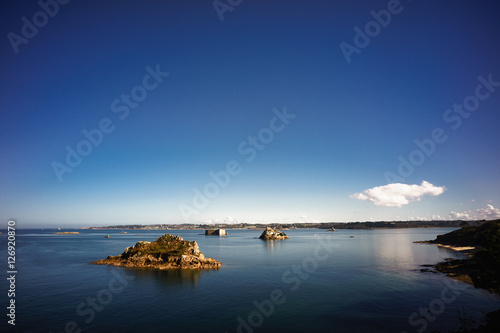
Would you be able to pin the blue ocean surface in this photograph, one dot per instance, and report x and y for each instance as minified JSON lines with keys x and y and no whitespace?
{"x":316,"y":281}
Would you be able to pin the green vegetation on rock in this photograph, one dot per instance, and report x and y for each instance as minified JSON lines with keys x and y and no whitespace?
{"x":164,"y":245}
{"x":167,"y":252}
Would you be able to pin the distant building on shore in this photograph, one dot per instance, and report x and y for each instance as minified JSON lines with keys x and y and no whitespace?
{"x":216,"y":232}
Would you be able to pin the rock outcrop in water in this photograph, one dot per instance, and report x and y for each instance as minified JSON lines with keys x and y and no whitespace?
{"x":273,"y":234}
{"x":167,"y":252}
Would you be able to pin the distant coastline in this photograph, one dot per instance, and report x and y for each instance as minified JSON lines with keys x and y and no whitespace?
{"x":285,"y":226}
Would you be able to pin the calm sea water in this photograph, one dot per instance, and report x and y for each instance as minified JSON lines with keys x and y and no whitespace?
{"x":317,"y":281}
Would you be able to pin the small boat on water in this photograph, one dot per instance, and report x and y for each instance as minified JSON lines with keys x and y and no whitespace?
{"x":107,"y":236}
{"x":332,"y":229}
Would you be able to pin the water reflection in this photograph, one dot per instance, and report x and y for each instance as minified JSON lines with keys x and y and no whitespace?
{"x":168,"y":277}
{"x":272,"y":245}
{"x":395,"y":250}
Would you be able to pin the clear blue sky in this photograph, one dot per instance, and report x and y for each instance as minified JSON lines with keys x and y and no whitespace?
{"x":353,"y":120}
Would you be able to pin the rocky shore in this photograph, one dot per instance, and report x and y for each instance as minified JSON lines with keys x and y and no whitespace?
{"x":167,"y":252}
{"x":481,"y":244}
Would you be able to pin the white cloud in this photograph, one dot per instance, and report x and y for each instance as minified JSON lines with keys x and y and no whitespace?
{"x":487,"y":213}
{"x":228,"y":220}
{"x":417,"y":218}
{"x":307,"y":219}
{"x":460,"y":216}
{"x":397,"y":194}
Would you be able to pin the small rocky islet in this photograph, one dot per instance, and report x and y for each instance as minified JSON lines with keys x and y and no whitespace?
{"x":273,"y":234}
{"x":167,"y":252}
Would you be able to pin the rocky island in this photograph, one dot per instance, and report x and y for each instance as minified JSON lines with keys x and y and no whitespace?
{"x":273,"y":234}
{"x":167,"y":252}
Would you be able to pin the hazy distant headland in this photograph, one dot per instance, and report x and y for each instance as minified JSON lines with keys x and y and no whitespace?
{"x":325,"y":225}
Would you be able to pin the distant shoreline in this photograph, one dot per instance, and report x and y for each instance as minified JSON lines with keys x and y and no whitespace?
{"x":325,"y":225}
{"x":367,"y":225}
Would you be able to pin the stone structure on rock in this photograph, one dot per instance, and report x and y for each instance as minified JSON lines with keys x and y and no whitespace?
{"x":215,"y":232}
{"x":167,"y":252}
{"x":273,"y":234}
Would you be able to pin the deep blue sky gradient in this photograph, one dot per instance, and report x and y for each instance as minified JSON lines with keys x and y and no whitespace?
{"x":353,"y":120}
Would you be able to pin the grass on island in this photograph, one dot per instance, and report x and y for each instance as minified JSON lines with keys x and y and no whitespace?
{"x":164,"y":245}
